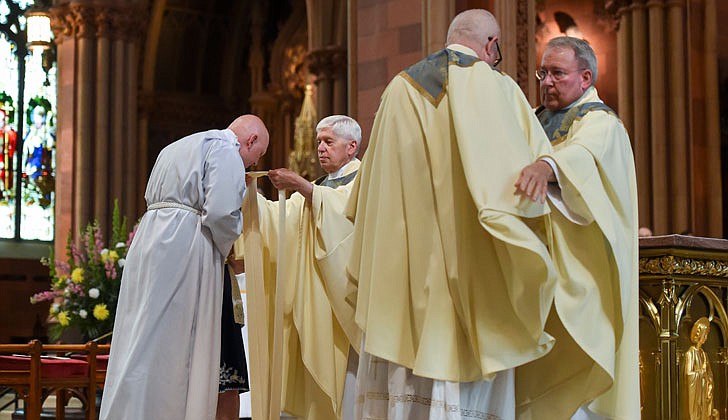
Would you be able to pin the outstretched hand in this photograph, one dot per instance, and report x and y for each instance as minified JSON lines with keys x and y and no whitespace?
{"x":534,"y":179}
{"x":286,"y":179}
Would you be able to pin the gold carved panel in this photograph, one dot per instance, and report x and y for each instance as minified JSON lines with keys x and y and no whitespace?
{"x":683,"y":279}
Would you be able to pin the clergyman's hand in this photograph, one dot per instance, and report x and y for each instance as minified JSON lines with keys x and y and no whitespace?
{"x":286,"y":179}
{"x":534,"y":180}
{"x":238,"y":266}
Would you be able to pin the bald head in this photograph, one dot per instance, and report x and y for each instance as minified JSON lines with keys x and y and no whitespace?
{"x":252,"y":136}
{"x":473,"y":28}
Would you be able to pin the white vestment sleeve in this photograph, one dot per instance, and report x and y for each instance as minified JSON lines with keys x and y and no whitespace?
{"x":224,"y":184}
{"x":554,"y":194}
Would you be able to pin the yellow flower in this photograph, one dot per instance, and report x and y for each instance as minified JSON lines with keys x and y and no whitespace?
{"x":63,"y":318}
{"x":77,"y":275}
{"x":101,"y":312}
{"x":107,"y":255}
{"x":60,"y":281}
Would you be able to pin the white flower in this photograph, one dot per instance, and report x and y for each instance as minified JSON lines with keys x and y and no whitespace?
{"x":82,"y":313}
{"x":104,"y":251}
{"x":93,"y":293}
{"x":121,"y":262}
{"x":120,"y":245}
{"x":55,"y":307}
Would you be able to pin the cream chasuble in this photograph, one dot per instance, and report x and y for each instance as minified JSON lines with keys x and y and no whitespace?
{"x":453,"y":281}
{"x":596,"y":299}
{"x":318,"y":325}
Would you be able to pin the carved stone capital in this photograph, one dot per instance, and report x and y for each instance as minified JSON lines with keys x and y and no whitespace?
{"x":84,"y":20}
{"x":97,"y":20}
{"x":104,"y":23}
{"x":671,"y":264}
{"x":129,"y":23}
{"x":328,"y":62}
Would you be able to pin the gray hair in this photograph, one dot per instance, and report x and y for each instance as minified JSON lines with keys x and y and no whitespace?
{"x":582,"y":51}
{"x":475,"y":25}
{"x":342,"y":126}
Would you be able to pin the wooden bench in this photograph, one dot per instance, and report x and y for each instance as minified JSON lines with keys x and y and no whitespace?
{"x":37,"y":370}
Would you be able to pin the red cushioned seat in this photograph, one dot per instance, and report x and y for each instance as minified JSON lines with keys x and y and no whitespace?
{"x":33,"y":376}
{"x":50,"y":367}
{"x":102,"y":360}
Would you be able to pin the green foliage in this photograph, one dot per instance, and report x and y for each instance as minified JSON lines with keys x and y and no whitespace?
{"x":85,"y":288}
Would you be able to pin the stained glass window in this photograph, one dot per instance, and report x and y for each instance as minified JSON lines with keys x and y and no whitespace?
{"x":27,"y":106}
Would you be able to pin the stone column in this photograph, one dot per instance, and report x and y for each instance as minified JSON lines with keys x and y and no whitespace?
{"x":83,"y":117}
{"x":676,"y":94}
{"x":712,"y":222}
{"x":327,"y":40}
{"x":506,"y":11}
{"x":668,"y":101}
{"x":328,"y":64}
{"x":517,"y":20}
{"x":624,"y":68}
{"x":640,"y":132}
{"x":97,"y":66}
{"x":101,"y":140}
{"x":658,"y":133}
{"x":437,"y":15}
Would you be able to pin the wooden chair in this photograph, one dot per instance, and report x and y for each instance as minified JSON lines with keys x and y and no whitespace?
{"x":34,"y":374}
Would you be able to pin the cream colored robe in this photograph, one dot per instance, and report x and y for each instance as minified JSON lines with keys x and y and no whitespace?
{"x":597,"y":295}
{"x":453,"y":283}
{"x":318,"y":324}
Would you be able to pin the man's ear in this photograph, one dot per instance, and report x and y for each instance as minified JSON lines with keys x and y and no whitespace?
{"x":586,"y":79}
{"x":250,"y":141}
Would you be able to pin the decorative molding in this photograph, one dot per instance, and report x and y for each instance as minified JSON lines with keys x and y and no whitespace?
{"x":104,"y":24}
{"x":671,"y":264}
{"x":95,"y":20}
{"x":328,"y":63}
{"x":522,"y":41}
{"x":84,"y":20}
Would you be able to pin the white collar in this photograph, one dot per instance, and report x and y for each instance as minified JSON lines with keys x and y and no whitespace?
{"x":344,"y":170}
{"x":462,"y":49}
{"x":229,"y":135}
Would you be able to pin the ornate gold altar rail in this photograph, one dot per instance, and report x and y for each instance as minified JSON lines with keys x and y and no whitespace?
{"x":682,"y":279}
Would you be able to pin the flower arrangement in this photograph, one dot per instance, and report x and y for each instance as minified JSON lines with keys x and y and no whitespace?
{"x":85,"y":288}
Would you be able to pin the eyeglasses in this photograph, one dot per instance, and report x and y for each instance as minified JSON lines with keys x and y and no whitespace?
{"x":499,"y":58}
{"x":556,"y":74}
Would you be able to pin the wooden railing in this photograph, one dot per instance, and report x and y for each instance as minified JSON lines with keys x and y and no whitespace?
{"x":37,"y":370}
